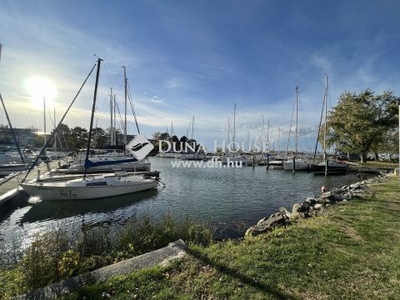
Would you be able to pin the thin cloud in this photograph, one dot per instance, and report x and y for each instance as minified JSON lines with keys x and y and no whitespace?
{"x":173,"y":83}
{"x":157,"y":100}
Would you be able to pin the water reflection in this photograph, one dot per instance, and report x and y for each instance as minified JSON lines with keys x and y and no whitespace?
{"x":53,"y":210}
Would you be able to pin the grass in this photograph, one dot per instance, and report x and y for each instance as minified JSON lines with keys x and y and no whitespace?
{"x":60,"y":254}
{"x":379,"y":164}
{"x":349,"y":252}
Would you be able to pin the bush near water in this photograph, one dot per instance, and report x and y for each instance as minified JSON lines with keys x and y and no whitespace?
{"x":56,"y":255}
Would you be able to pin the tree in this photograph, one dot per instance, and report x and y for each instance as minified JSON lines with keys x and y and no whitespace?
{"x":78,"y":138}
{"x":158,"y":136}
{"x":99,"y":137}
{"x":59,"y":136}
{"x":359,"y":123}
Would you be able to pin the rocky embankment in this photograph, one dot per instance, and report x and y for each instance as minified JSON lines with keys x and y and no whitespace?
{"x":313,"y":206}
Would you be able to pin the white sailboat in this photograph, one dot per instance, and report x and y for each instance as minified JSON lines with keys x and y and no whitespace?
{"x":95,"y":187}
{"x":327,"y":166}
{"x":193,"y":154}
{"x":233,"y":156}
{"x":109,"y":161}
{"x":295,"y":163}
{"x":89,"y":187}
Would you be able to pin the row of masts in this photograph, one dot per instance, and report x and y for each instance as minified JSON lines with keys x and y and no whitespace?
{"x":113,"y":111}
{"x":265,"y":136}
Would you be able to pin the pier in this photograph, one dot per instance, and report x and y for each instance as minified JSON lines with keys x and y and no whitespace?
{"x":11,"y":194}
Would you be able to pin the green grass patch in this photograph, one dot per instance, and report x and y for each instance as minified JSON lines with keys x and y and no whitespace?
{"x":349,"y":252}
{"x":379,"y":164}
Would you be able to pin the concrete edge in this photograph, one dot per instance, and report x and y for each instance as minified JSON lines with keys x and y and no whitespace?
{"x":161,"y":256}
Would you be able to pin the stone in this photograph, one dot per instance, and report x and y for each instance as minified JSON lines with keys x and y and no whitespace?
{"x":347,"y":196}
{"x":318,"y":206}
{"x":338,"y":197}
{"x":296,"y":208}
{"x":311,"y":201}
{"x":266,"y":225}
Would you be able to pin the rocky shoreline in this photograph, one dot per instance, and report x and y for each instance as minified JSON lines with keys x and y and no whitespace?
{"x":314,"y":206}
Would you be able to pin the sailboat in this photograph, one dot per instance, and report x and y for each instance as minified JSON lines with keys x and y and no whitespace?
{"x":296,"y":164}
{"x":327,"y":166}
{"x":103,"y":161}
{"x":233,"y":156}
{"x":89,"y":187}
{"x":193,"y":154}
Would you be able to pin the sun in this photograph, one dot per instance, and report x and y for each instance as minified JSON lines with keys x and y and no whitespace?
{"x":40,"y":89}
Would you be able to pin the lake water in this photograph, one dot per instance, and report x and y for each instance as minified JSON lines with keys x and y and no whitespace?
{"x":232,"y":198}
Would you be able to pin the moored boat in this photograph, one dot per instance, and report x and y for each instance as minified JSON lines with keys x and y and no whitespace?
{"x":297,"y":165}
{"x":89,"y":187}
{"x":106,"y":163}
{"x":96,"y":187}
{"x":330,"y":167}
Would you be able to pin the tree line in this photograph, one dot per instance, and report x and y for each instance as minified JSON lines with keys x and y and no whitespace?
{"x":72,"y":139}
{"x":364,"y":123}
{"x":179,"y":142}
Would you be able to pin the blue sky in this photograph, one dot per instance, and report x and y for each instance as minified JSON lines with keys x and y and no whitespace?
{"x":188,"y":59}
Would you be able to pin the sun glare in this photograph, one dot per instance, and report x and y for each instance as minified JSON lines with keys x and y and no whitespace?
{"x":40,"y":88}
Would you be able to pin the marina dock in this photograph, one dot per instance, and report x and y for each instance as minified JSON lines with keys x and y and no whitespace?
{"x":10,"y":192}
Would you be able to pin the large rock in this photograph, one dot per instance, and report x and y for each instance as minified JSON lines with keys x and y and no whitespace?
{"x":266,"y":225}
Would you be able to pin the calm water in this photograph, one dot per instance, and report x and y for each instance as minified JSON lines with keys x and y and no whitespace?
{"x":232,"y":198}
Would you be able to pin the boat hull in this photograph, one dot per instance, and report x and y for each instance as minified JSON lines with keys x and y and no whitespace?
{"x":298,"y":165}
{"x":332,"y":170}
{"x":94,"y":188}
{"x":127,"y":167}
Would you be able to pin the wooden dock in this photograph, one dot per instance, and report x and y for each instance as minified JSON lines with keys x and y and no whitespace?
{"x":11,"y":193}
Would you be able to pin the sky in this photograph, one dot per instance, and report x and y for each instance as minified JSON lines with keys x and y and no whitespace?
{"x":189,"y":63}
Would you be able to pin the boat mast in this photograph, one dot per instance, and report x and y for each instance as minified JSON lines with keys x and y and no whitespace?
{"x":55,"y":135}
{"x":323,"y":109}
{"x":326,"y":126}
{"x":297,"y":121}
{"x":115,"y":120}
{"x":268,"y":136}
{"x":111,"y":119}
{"x":44,"y":126}
{"x":192,"y":134}
{"x":234,"y":127}
{"x":296,"y":129}
{"x":92,"y":117}
{"x":278,"y":148}
{"x":326,"y":116}
{"x":126,"y":104}
{"x":229,"y":131}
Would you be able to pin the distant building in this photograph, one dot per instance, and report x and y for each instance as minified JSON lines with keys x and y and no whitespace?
{"x":24,"y":136}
